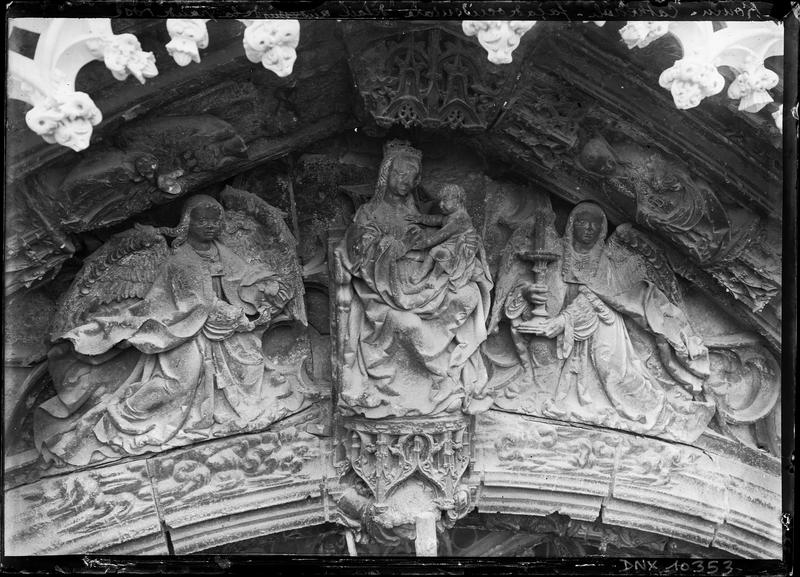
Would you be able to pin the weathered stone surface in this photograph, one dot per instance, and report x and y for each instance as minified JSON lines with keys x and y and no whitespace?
{"x":85,"y":512}
{"x":550,"y":123}
{"x":657,"y":520}
{"x":752,"y":526}
{"x":387,"y":262}
{"x":592,"y":330}
{"x":23,"y":389}
{"x":237,"y":488}
{"x":534,"y":467}
{"x":677,"y":478}
{"x":530,"y":466}
{"x":26,"y":323}
{"x":157,"y":348}
{"x":507,"y":152}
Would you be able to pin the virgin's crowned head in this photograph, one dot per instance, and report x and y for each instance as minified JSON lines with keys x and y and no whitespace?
{"x":400,"y":169}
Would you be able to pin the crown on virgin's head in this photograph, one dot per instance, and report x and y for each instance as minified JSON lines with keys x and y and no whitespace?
{"x":395,"y":148}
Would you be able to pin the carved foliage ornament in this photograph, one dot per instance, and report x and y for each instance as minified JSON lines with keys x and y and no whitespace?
{"x":742,"y":46}
{"x":498,"y":37}
{"x":270,"y":42}
{"x":47,"y":81}
{"x":62,"y":115}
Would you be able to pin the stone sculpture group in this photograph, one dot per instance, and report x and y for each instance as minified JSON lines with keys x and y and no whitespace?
{"x":160,"y":344}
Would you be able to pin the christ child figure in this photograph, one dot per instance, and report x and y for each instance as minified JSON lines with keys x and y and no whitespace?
{"x":454,"y":245}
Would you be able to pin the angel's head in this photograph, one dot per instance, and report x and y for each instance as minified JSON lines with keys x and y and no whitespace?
{"x":587,"y":225}
{"x":201,"y":219}
{"x":597,"y":156}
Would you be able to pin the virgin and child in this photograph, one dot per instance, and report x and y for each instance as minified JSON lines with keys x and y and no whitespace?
{"x":416,"y":323}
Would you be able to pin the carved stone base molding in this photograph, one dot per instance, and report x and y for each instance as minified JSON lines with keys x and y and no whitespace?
{"x":412,"y":470}
{"x":112,"y":508}
{"x":537,"y":467}
{"x":189,"y":499}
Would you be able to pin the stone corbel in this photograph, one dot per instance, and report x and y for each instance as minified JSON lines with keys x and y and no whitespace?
{"x":270,"y":42}
{"x":60,"y":114}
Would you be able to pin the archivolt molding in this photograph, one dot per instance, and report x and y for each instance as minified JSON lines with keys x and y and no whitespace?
{"x":237,"y":488}
{"x":62,"y":115}
{"x":742,"y":46}
{"x":65,"y":116}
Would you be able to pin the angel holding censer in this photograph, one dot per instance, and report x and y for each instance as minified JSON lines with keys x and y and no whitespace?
{"x":156,"y":346}
{"x":591,"y":296}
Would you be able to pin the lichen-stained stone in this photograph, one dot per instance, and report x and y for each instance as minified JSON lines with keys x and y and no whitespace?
{"x":752,"y":526}
{"x":241,"y":487}
{"x":85,"y":512}
{"x":529,"y":466}
{"x":674,"y":477}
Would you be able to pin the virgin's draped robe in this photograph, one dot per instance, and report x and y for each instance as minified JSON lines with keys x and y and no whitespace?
{"x":413,"y":333}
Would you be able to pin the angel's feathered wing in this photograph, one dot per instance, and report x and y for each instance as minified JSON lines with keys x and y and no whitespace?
{"x":118,"y":273}
{"x":635,"y":258}
{"x":257,"y":232}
